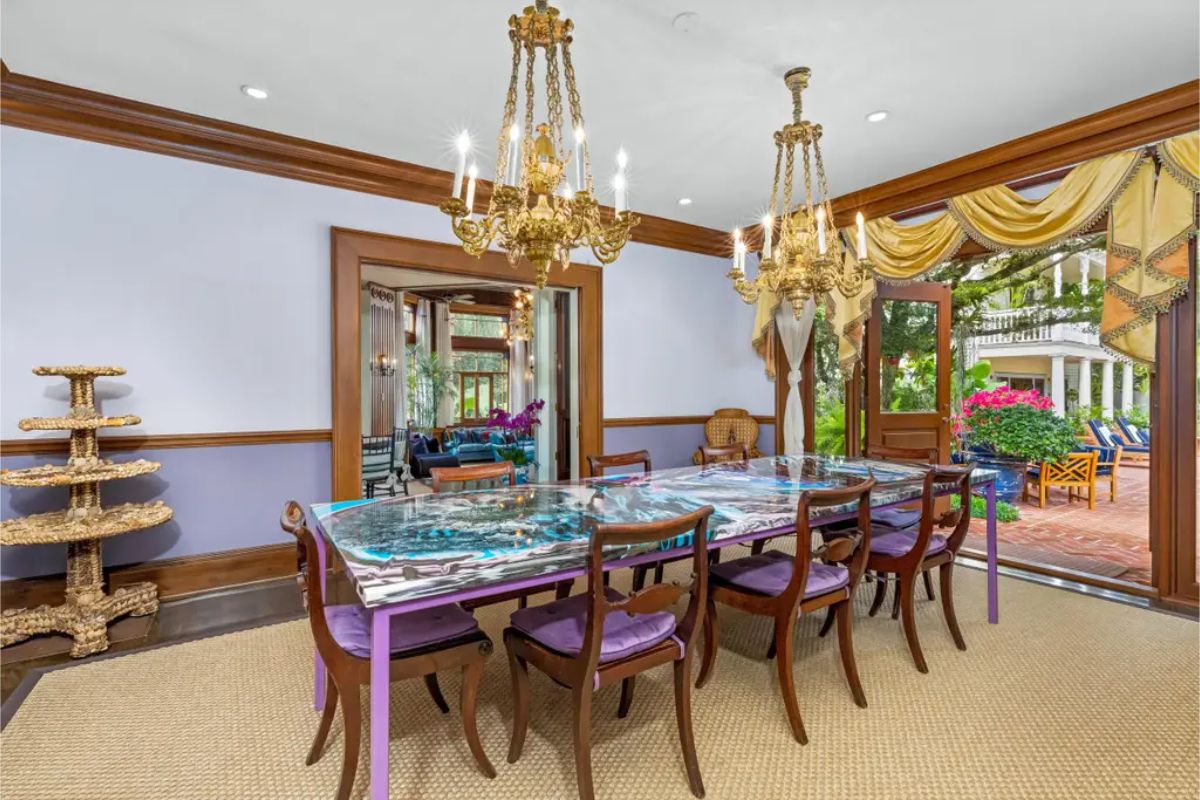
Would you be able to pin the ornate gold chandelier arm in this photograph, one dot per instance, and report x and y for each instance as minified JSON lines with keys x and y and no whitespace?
{"x":606,"y":241}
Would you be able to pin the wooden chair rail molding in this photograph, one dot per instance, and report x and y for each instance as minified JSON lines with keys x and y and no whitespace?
{"x":41,"y":105}
{"x":640,"y":422}
{"x":56,"y":445}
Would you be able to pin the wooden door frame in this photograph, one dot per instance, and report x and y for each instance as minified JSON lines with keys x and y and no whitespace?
{"x":1172,"y":448}
{"x":352,"y":248}
{"x":919,"y":292}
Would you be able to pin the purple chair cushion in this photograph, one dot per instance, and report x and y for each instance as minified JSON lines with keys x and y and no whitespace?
{"x":898,"y":543}
{"x":559,"y":626}
{"x":770,"y":572}
{"x":351,"y":627}
{"x":896,"y":517}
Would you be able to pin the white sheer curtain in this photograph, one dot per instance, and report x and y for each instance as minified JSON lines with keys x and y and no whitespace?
{"x":518,"y":382}
{"x":794,"y":334}
{"x":445,"y":354}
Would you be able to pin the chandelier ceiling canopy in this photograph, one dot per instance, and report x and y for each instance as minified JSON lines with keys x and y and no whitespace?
{"x":543,"y":202}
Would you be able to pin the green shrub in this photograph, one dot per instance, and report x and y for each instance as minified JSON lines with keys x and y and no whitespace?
{"x":1005,"y":512}
{"x":1022,"y":431}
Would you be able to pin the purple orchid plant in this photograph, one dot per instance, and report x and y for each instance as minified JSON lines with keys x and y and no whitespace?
{"x":521,"y":424}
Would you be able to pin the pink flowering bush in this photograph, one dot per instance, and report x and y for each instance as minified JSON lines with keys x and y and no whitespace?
{"x":1014,"y":423}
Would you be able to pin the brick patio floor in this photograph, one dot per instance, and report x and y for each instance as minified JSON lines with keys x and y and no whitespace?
{"x":1114,"y":532}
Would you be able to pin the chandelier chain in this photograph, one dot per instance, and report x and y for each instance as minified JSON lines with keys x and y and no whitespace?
{"x":808,"y":196}
{"x":510,"y":110}
{"x":787,"y":180}
{"x":527,"y":139}
{"x":554,"y":97}
{"x":577,"y":111}
{"x":775,"y":184}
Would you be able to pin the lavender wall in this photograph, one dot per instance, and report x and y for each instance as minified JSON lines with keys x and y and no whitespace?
{"x":671,"y":445}
{"x":224,"y":498}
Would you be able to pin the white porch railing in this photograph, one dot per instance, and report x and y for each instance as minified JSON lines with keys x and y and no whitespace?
{"x":1021,"y":325}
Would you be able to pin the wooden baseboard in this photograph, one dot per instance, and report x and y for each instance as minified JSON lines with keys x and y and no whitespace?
{"x":175,"y":577}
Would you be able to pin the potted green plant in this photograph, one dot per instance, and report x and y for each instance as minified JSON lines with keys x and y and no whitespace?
{"x":1006,"y":429}
{"x":429,"y":382}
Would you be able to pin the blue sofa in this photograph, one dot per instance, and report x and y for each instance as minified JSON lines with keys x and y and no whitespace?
{"x":471,"y":444}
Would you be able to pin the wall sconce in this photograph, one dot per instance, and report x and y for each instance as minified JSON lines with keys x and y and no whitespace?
{"x":384,"y":365}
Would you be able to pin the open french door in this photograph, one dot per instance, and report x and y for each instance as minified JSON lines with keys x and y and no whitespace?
{"x":907,"y":370}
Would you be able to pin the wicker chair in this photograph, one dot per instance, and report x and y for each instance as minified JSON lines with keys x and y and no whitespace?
{"x":731,"y":426}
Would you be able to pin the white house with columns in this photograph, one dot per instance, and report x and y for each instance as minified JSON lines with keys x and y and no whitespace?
{"x":1060,"y":360}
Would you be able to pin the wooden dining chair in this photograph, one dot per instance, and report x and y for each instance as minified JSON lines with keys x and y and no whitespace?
{"x":597,"y":465}
{"x":900,"y":518}
{"x":714,"y":454}
{"x":489,"y":475}
{"x":423,"y":642}
{"x":592,"y":640}
{"x":783,"y":587}
{"x":906,"y":553}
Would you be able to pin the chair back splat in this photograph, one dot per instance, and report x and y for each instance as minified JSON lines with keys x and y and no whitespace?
{"x":598,"y":464}
{"x":913,"y":455}
{"x":654,"y":598}
{"x":710,"y":454}
{"x":484,"y":476}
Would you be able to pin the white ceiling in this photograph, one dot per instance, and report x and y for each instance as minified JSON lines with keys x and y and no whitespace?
{"x":695,"y":108}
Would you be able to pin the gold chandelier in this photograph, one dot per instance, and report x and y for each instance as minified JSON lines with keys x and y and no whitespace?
{"x":807,"y":260}
{"x":535,"y":212}
{"x":520,"y":319}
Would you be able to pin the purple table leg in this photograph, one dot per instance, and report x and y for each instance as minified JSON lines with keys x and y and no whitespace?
{"x":318,"y":664}
{"x":993,"y":570}
{"x":381,"y":629}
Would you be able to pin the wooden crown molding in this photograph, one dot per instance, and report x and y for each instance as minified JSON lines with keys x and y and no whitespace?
{"x":112,"y":444}
{"x":49,"y":107}
{"x":1148,"y":119}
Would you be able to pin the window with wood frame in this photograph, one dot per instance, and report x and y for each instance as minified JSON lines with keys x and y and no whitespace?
{"x":481,"y":348}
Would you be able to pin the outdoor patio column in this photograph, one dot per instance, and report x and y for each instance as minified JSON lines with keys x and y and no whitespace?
{"x":1126,"y":387}
{"x":1085,"y":381}
{"x":1058,"y":384}
{"x":1106,"y":387}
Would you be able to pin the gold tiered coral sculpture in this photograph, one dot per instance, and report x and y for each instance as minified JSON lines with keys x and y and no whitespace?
{"x":87,"y":609}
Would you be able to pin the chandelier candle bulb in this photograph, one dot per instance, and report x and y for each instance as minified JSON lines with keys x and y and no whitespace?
{"x":514,"y":155}
{"x":767,"y":224}
{"x":579,"y":136}
{"x":862,"y":236}
{"x":821,"y":229}
{"x":737,"y":247}
{"x":619,"y":187}
{"x":472,"y":174}
{"x":462,"y":144}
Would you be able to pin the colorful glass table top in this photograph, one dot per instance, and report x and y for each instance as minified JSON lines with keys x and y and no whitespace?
{"x":406,"y":548}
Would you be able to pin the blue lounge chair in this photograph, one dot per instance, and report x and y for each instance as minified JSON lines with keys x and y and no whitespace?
{"x":1106,"y":438}
{"x":1132,"y":433}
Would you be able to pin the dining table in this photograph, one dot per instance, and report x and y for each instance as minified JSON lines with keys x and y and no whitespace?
{"x":407,"y":553}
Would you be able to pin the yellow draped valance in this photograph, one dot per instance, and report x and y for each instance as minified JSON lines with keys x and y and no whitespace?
{"x":1147,"y":265}
{"x":999,"y":219}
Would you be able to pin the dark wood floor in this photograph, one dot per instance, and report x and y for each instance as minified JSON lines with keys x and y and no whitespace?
{"x":208,"y":614}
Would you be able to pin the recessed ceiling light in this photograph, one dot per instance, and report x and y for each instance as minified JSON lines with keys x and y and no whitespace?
{"x":877,"y":116}
{"x":255,"y":92}
{"x":685,"y":201}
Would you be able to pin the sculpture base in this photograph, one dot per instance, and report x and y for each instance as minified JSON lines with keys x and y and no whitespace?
{"x":85,"y":622}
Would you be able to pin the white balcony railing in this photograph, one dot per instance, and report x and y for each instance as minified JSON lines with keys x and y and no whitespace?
{"x":1025,"y":325}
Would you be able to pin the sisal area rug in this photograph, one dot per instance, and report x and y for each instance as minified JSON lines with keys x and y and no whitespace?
{"x":1068,"y":697}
